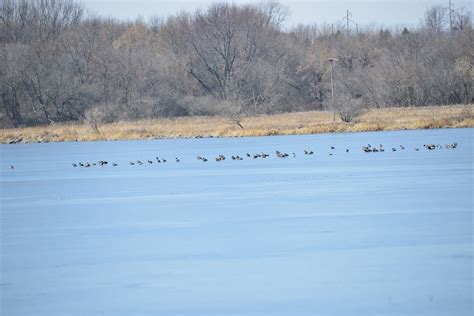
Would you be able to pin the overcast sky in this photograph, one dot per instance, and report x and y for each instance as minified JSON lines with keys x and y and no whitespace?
{"x":364,"y":12}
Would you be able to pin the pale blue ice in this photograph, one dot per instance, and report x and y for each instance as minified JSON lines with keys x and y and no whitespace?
{"x":355,"y":233}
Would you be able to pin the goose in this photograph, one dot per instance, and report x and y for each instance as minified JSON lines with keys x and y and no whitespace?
{"x":139,"y":162}
{"x":347,"y":150}
{"x":131,"y":163}
{"x":248,"y":155}
{"x":177,"y":160}
{"x":12,"y":167}
{"x":394,"y":149}
{"x":74,"y":165}
{"x":332,"y":147}
{"x":150,"y":162}
{"x":452,"y":146}
{"x":294,"y":155}
{"x":401,"y":147}
{"x":114,"y":164}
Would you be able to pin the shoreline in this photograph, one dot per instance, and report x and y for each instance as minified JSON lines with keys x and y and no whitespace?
{"x":16,"y":142}
{"x":294,"y":123}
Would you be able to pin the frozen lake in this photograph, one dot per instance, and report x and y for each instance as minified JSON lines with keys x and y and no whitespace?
{"x":352,"y":233}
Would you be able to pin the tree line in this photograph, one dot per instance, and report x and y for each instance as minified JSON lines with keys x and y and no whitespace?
{"x":61,"y":64}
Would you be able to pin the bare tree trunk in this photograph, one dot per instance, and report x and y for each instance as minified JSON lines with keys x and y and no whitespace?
{"x":12,"y":109}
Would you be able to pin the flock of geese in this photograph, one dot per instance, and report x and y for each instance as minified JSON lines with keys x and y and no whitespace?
{"x":278,"y":154}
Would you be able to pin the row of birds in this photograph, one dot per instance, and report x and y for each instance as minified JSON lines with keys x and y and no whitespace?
{"x":278,"y":154}
{"x":113,"y":164}
{"x":369,"y":148}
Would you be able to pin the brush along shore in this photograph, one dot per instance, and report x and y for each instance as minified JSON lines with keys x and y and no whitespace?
{"x":297,"y":123}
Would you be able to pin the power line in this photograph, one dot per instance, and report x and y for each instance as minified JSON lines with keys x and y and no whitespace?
{"x":348,"y":20}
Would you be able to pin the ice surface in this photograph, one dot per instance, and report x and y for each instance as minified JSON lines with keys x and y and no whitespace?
{"x":354,"y":233}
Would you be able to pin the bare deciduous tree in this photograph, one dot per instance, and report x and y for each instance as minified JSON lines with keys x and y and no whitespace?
{"x":436,"y":19}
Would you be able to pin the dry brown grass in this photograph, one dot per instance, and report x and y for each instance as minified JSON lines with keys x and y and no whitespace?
{"x":263,"y":125}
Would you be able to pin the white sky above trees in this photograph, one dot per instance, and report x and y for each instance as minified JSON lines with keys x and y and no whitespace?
{"x":364,"y":12}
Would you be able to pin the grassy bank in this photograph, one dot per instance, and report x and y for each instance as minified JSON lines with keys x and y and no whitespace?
{"x":263,"y":125}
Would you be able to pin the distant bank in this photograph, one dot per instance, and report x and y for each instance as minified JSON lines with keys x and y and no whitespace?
{"x":297,"y":123}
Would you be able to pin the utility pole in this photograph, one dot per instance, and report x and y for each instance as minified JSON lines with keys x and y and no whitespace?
{"x":450,"y":9}
{"x":331,"y":60}
{"x":348,"y":14}
{"x":348,"y":20}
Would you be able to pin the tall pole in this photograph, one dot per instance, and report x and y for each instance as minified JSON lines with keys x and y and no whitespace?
{"x":450,"y":16}
{"x":331,"y":60}
{"x":347,"y":22}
